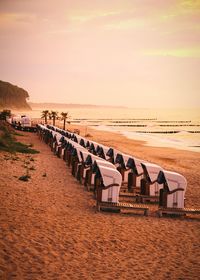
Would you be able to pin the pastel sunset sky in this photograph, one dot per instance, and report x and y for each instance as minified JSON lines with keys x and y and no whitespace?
{"x":137,"y":53}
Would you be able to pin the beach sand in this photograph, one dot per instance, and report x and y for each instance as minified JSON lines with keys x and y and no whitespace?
{"x":49,"y":228}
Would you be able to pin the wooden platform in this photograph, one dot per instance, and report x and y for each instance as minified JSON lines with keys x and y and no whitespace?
{"x":176,"y":211}
{"x":122,"y":206}
{"x":138,"y":198}
{"x":147,"y":198}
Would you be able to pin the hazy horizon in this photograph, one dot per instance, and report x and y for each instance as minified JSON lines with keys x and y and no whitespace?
{"x":36,"y":104}
{"x":137,"y":54}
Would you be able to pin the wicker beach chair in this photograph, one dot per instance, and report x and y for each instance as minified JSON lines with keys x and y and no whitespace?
{"x":149,"y":186}
{"x":121,"y":164}
{"x":102,"y":151}
{"x":108,"y":182}
{"x":172,"y":194}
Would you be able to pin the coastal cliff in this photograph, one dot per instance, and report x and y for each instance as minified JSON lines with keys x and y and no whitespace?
{"x":13,"y":97}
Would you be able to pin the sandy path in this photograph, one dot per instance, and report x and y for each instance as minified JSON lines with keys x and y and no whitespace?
{"x":49,"y":230}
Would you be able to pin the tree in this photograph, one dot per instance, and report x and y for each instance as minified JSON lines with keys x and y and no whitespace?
{"x":44,"y":116}
{"x":4,"y":114}
{"x":54,"y":116}
{"x":64,"y":116}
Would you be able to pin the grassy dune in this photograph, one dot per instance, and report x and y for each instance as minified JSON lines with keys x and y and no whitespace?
{"x":8,"y":141}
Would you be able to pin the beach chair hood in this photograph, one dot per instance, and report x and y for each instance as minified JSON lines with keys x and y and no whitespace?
{"x":151,"y":171}
{"x":101,"y":162}
{"x":173,"y":180}
{"x":110,"y":177}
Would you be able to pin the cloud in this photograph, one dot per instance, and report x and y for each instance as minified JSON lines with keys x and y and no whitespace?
{"x":16,"y":17}
{"x":82,"y":18}
{"x":125,"y":24}
{"x":180,"y":9}
{"x":182,"y":52}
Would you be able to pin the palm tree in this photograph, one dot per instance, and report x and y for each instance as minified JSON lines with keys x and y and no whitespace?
{"x":44,"y":116}
{"x":64,"y":116}
{"x":54,"y":116}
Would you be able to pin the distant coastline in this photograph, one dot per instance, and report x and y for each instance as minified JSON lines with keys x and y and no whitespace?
{"x":52,"y":105}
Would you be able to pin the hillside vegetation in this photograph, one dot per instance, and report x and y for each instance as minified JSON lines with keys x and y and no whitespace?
{"x":13,"y":97}
{"x":9,"y":143}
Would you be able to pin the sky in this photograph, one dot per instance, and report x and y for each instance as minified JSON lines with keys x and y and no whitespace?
{"x":135,"y":53}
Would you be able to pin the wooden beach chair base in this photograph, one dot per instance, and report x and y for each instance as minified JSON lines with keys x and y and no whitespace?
{"x":122,"y":206}
{"x":127,"y":196}
{"x":125,"y":189}
{"x":178,"y":211}
{"x":147,"y":198}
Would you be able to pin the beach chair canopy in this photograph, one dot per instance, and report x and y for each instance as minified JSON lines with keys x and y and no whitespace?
{"x":101,"y":162}
{"x":151,"y":171}
{"x":76,"y":152}
{"x":112,"y":153}
{"x":90,"y":159}
{"x":102,"y":151}
{"x":173,"y":180}
{"x":122,"y":159}
{"x":84,"y":154}
{"x":110,"y":175}
{"x":135,"y":165}
{"x":82,"y":142}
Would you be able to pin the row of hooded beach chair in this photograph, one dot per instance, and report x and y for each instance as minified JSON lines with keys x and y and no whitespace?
{"x":94,"y":172}
{"x":107,"y":172}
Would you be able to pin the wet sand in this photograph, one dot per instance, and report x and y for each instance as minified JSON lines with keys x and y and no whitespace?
{"x":49,"y":228}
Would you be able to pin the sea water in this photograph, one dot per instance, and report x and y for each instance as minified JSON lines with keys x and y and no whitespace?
{"x":177,"y":128}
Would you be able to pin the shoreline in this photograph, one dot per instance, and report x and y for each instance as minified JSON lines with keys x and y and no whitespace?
{"x":153,"y":139}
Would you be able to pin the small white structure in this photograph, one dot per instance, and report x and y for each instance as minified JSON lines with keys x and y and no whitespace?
{"x":111,"y":154}
{"x":121,"y":164}
{"x":23,"y":120}
{"x":93,"y":147}
{"x":174,"y":186}
{"x":101,"y":162}
{"x":135,"y":176}
{"x":111,"y":180}
{"x":56,"y":140}
{"x":84,"y":155}
{"x":149,"y":184}
{"x":102,"y":152}
{"x":95,"y":166}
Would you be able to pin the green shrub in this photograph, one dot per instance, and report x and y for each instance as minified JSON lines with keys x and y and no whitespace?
{"x":8,"y":142}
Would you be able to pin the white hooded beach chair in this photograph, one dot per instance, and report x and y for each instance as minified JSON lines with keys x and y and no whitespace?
{"x":121,"y":164}
{"x":76,"y":158}
{"x":135,"y":174}
{"x":172,"y":195}
{"x":83,"y":165}
{"x":111,"y":155}
{"x":150,"y":188}
{"x":88,"y":169}
{"x":108,"y":183}
{"x":93,"y":147}
{"x":56,"y":141}
{"x":68,"y":150}
{"x":90,"y":174}
{"x":102,"y":152}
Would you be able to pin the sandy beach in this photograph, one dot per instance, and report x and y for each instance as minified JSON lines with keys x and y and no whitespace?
{"x":49,"y":228}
